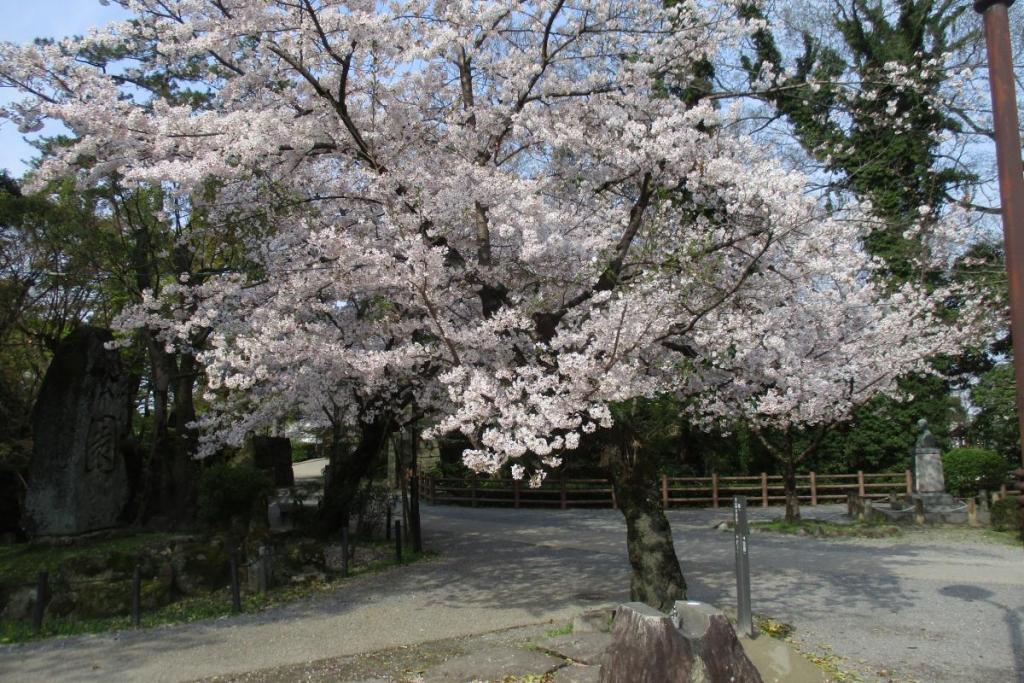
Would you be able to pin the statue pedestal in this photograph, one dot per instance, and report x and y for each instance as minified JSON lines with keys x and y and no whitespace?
{"x":929,"y":488}
{"x":928,"y":476}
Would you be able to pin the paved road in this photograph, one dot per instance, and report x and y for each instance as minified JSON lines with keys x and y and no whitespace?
{"x":925,"y":609}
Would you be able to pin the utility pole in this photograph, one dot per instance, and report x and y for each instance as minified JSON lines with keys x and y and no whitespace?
{"x":1011,"y":187}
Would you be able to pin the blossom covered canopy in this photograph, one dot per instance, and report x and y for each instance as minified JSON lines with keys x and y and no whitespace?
{"x":504,"y":213}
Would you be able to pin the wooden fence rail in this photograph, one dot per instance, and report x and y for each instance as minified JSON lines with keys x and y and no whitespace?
{"x":812,"y":489}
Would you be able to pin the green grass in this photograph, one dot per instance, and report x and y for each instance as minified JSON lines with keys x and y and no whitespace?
{"x":560,"y":630}
{"x":809,"y":527}
{"x":20,"y":564}
{"x":195,"y":608}
{"x":1002,"y":537}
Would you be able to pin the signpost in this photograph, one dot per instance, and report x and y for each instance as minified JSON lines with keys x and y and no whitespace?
{"x":743,"y":615}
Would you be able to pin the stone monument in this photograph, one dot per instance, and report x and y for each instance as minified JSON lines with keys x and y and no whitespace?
{"x":928,"y":476}
{"x":929,"y":499}
{"x":78,"y":480}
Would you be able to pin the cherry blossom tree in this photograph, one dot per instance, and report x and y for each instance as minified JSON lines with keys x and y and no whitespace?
{"x":494,"y":212}
{"x":795,"y":371}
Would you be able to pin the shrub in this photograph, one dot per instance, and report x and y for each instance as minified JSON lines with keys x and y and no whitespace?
{"x":303,"y":451}
{"x":1006,"y":515}
{"x":232,"y":493}
{"x":969,"y":470}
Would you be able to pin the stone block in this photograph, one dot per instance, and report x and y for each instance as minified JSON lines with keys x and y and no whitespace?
{"x":647,"y":647}
{"x":715,"y":642}
{"x":928,"y":474}
{"x":78,"y":477}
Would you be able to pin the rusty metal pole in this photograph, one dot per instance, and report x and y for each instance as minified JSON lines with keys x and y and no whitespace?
{"x":1011,"y":188}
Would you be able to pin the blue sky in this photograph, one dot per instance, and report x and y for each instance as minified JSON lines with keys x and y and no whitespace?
{"x":23,"y":20}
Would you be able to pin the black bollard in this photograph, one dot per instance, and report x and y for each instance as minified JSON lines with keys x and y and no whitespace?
{"x":344,"y":550}
{"x":42,"y":594}
{"x":236,"y":595}
{"x":137,"y":596}
{"x":398,"y":542}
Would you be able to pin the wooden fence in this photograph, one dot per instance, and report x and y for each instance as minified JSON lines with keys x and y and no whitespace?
{"x":812,"y":488}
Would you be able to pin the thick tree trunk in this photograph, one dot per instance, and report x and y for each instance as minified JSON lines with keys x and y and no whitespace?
{"x":657,"y":578}
{"x":153,"y":469}
{"x":346,"y":469}
{"x":181,"y":490}
{"x":789,"y":487}
{"x":414,"y":491}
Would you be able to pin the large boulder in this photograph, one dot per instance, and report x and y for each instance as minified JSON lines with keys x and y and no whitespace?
{"x":697,"y":644}
{"x":78,"y":480}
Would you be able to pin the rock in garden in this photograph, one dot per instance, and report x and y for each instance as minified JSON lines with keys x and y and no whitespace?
{"x":78,"y":479}
{"x":715,"y":641}
{"x":648,"y":647}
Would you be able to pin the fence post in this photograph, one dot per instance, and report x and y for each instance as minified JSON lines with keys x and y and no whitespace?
{"x":42,"y":595}
{"x":664,"y":491}
{"x":764,"y":489}
{"x":814,"y":489}
{"x":236,"y":596}
{"x":615,"y":503}
{"x":263,"y":569}
{"x":137,"y":596}
{"x":344,"y":549}
{"x":910,"y":482}
{"x":1002,"y":492}
{"x":565,"y":503}
{"x":860,"y":483}
{"x":398,"y":542}
{"x":515,"y":492}
{"x":714,"y":489}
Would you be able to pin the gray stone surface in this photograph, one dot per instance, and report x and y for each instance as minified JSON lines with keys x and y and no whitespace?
{"x":647,"y":647}
{"x":576,"y":673}
{"x":778,"y":662}
{"x":928,"y":475}
{"x":334,"y":557}
{"x":19,"y":604}
{"x":584,"y":648}
{"x":715,"y":641}
{"x":78,"y":478}
{"x":593,"y":620}
{"x":492,"y":663}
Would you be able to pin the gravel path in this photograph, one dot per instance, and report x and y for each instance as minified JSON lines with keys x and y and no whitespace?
{"x":922,"y":606}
